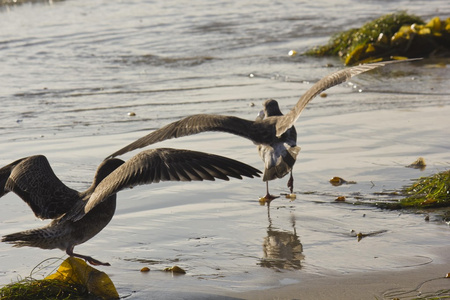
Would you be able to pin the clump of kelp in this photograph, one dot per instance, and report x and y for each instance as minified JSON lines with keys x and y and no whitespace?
{"x":426,"y":192}
{"x":398,"y":34}
{"x":432,"y":191}
{"x":73,"y":279}
{"x":31,"y":288}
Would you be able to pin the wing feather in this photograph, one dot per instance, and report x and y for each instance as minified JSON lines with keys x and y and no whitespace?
{"x":193,"y":125}
{"x":33,"y":180}
{"x":165,"y":164}
{"x":327,"y":82}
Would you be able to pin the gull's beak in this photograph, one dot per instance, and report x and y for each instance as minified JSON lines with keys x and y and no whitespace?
{"x":260,"y":115}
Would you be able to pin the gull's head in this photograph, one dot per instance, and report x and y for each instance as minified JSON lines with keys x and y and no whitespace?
{"x":271,"y":108}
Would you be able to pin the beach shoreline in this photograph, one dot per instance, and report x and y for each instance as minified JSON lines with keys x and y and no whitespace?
{"x":421,"y":282}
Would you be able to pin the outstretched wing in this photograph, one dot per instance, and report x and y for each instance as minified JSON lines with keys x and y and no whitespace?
{"x":165,"y":164}
{"x":192,"y":125}
{"x":33,"y":180}
{"x":331,"y":80}
{"x":5,"y":172}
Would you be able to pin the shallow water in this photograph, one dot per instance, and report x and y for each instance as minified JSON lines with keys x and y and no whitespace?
{"x":73,"y":70}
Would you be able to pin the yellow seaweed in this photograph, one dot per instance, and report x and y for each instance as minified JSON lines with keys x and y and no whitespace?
{"x":75,"y":270}
{"x":175,"y":270}
{"x":397,"y":34}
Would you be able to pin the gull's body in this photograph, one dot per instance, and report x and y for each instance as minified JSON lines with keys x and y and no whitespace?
{"x":273,"y":133}
{"x":79,"y":216}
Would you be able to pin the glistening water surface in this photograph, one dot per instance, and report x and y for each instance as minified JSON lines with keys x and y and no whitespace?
{"x":72,"y":71}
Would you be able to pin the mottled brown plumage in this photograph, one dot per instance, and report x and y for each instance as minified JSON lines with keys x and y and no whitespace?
{"x":79,"y":216}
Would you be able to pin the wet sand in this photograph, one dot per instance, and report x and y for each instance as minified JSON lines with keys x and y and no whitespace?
{"x":424,"y":281}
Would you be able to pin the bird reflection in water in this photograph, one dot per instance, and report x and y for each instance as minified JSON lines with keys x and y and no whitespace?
{"x":282,"y":249}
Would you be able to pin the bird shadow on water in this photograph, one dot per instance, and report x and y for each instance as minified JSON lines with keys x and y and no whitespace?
{"x":282,"y":249}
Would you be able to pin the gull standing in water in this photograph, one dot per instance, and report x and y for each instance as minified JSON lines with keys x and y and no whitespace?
{"x":272,"y":132}
{"x":79,"y":216}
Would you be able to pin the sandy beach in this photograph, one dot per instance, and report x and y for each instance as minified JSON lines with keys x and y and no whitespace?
{"x":422,"y":282}
{"x":427,"y":281}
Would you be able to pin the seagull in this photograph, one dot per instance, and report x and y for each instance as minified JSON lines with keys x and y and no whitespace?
{"x":79,"y":216}
{"x":272,"y":132}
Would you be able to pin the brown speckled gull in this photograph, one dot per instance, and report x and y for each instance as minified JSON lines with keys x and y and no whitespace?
{"x":272,"y":132}
{"x":79,"y":216}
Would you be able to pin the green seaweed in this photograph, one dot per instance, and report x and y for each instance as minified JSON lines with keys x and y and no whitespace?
{"x":391,"y":35}
{"x":426,"y":192}
{"x":346,"y":42}
{"x":63,"y":284}
{"x":31,"y":288}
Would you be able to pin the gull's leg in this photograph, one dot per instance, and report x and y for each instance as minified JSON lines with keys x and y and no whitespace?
{"x":89,"y":259}
{"x":290,"y":183}
{"x":268,"y":196}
